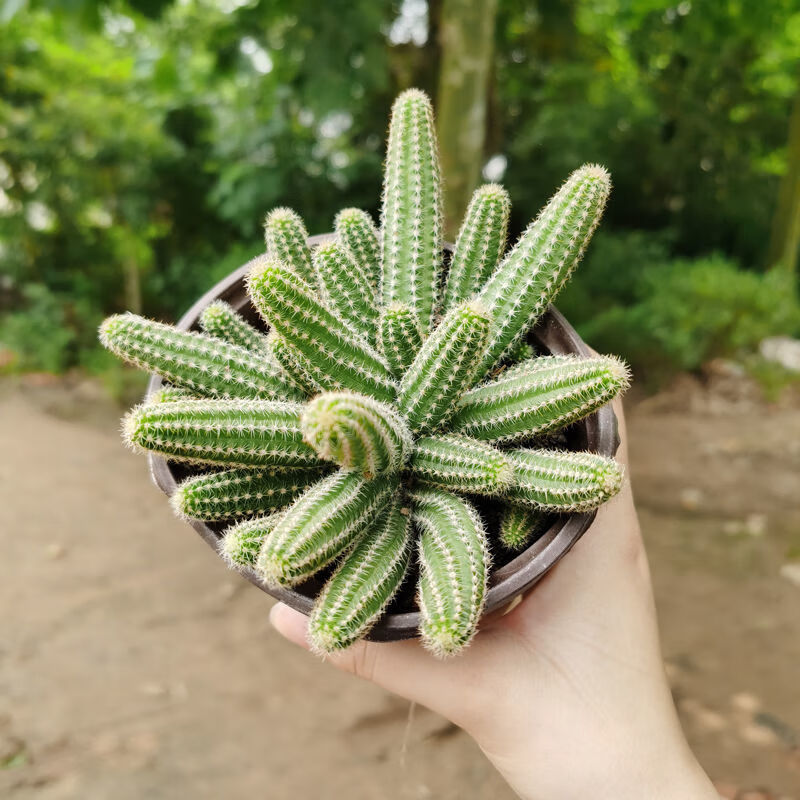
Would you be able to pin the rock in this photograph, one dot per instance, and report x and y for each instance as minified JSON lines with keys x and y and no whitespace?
{"x":755,"y":525}
{"x":744,"y":701}
{"x":690,"y":499}
{"x":791,"y":572}
{"x":781,"y":350}
{"x":55,"y":551}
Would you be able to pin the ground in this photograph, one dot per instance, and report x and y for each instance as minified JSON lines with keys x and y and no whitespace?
{"x":134,"y":665}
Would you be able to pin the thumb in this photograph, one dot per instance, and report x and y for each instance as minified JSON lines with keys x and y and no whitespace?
{"x":404,"y":668}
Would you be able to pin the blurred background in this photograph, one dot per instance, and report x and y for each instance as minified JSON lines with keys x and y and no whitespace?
{"x":141,"y":145}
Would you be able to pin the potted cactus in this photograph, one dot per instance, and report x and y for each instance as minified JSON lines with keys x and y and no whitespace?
{"x":386,"y":429}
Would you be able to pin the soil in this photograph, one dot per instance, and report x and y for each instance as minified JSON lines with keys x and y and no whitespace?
{"x":134,"y":665}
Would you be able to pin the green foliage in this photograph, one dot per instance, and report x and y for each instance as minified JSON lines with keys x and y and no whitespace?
{"x":686,"y":312}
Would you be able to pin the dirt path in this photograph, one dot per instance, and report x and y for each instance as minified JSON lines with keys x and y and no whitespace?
{"x":133,"y":665}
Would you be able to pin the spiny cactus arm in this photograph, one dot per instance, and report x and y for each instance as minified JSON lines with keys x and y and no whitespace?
{"x":359,"y":236}
{"x":412,"y":209}
{"x":521,"y":526}
{"x":232,"y":433}
{"x":556,"y":480}
{"x":454,"y":567}
{"x":445,"y":367}
{"x":530,"y":276}
{"x":322,"y":524}
{"x":291,"y":363}
{"x":357,"y":432}
{"x":538,"y":396}
{"x":479,"y":245}
{"x":237,"y":493}
{"x":168,"y":394}
{"x":220,"y":320}
{"x":333,"y":356}
{"x":345,"y":289}
{"x":241,"y":543}
{"x":400,"y":337}
{"x":286,"y":238}
{"x":460,"y":464}
{"x":362,"y":586}
{"x":202,"y":364}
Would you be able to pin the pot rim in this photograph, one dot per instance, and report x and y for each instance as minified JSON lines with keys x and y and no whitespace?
{"x":507,"y":582}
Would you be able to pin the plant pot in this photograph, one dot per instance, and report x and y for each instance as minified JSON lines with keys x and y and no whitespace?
{"x":596,"y":433}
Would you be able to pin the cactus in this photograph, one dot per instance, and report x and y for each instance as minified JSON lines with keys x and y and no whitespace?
{"x":529,"y":277}
{"x":454,"y":567}
{"x":537,"y":396}
{"x":286,"y":238}
{"x":220,"y":320}
{"x":357,"y":432}
{"x":333,"y":356}
{"x":345,"y":289}
{"x":400,"y":337}
{"x":232,"y":433}
{"x":444,"y":368}
{"x":479,"y":245}
{"x":242,"y":543}
{"x":411,"y":246}
{"x":364,"y":583}
{"x":168,"y":394}
{"x":555,"y":480}
{"x":322,"y":524}
{"x":519,"y":526}
{"x":292,"y":363}
{"x":235,"y":493}
{"x":358,"y":235}
{"x":346,"y":438}
{"x":461,"y":464}
{"x":194,"y":361}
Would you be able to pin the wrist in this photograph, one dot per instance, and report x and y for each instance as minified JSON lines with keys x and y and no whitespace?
{"x":665,"y":770}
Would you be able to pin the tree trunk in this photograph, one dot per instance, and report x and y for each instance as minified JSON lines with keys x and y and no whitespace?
{"x":785,"y":240}
{"x":467,"y":42}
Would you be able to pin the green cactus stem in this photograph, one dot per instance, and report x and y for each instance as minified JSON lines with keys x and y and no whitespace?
{"x":358,"y":235}
{"x":169,"y":394}
{"x":454,"y":567}
{"x":411,"y":243}
{"x":357,"y":432}
{"x":362,"y":586}
{"x":242,"y":543}
{"x":202,"y":364}
{"x":238,"y":493}
{"x":530,"y":276}
{"x":479,"y":245}
{"x":345,"y":289}
{"x":286,"y":238}
{"x":220,"y":320}
{"x":521,"y":526}
{"x":222,"y":432}
{"x":538,"y":396}
{"x":556,"y":480}
{"x":321,"y":525}
{"x":400,"y":337}
{"x":445,"y":367}
{"x":290,"y":362}
{"x":460,"y":464}
{"x":333,"y":356}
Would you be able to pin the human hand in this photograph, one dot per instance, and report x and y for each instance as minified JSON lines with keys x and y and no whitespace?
{"x":565,"y":694}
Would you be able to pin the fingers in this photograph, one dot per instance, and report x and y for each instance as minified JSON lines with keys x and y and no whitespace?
{"x":404,"y":668}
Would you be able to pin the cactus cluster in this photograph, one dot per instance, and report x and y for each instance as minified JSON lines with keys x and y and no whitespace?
{"x":391,"y":391}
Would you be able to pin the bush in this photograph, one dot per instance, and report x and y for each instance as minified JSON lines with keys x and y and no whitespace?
{"x":685,"y":312}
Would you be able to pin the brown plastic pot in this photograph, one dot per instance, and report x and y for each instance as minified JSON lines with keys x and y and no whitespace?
{"x":596,"y":433}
